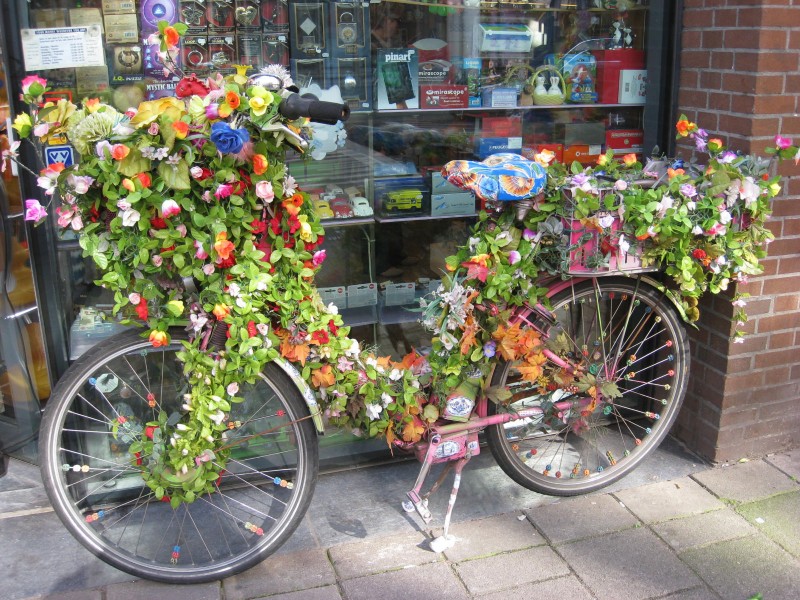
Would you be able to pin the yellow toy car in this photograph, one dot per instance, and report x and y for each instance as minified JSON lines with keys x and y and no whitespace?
{"x":407,"y":199}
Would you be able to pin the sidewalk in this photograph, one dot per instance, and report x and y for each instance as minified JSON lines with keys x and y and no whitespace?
{"x":673,"y":529}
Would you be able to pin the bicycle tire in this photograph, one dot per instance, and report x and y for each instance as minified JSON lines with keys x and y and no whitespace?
{"x":268,"y":480}
{"x":571,"y":453}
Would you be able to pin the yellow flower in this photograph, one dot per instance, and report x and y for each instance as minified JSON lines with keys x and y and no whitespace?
{"x":159,"y":338}
{"x":259,"y":100}
{"x":241,"y":74}
{"x":172,"y":108}
{"x":23,"y":124}
{"x":774,"y":189}
{"x":629,"y":159}
{"x":129,"y":185}
{"x":91,"y":105}
{"x":305,"y":229}
{"x":221,"y":311}
{"x":545,"y":157}
{"x":602,"y":160}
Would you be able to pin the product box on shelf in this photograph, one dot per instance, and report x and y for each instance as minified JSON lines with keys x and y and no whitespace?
{"x":443,"y":96}
{"x":194,"y":53}
{"x":247,"y":15}
{"x":90,"y":81}
{"x":349,"y":29}
{"x":507,"y":37}
{"x":153,"y":11}
{"x":249,"y":48}
{"x":500,"y":126}
{"x":221,"y":16}
{"x":632,"y":86}
{"x":276,"y":48}
{"x":488,"y":146}
{"x":121,"y":28}
{"x":126,"y":63}
{"x":499,"y":97}
{"x":436,"y":71}
{"x":471,"y":77}
{"x":580,"y":73}
{"x":438,"y":184}
{"x":194,"y":15}
{"x":431,"y":49}
{"x":398,"y":75}
{"x":336,"y":295}
{"x":582,"y":153}
{"x":351,"y":74}
{"x":625,"y":140}
{"x":306,"y":71}
{"x":450,"y":204}
{"x":362,"y":294}
{"x":581,"y":133}
{"x":275,"y":15}
{"x":398,"y":294}
{"x":308,"y":27}
{"x":222,"y":51}
{"x":118,"y":6}
{"x":609,"y":65}
{"x":400,"y":196}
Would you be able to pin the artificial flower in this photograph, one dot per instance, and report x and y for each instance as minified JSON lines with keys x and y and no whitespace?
{"x":34,"y":211}
{"x":227,"y":139}
{"x":159,"y":338}
{"x":260,"y":164}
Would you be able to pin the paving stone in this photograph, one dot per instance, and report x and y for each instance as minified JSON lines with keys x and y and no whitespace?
{"x":745,"y":482}
{"x":281,"y":573}
{"x":78,"y":595}
{"x":632,"y":564}
{"x":329,"y":592}
{"x":485,"y":537}
{"x":744,"y":567}
{"x":582,"y":517}
{"x":427,"y":581}
{"x":136,"y":590}
{"x":382,"y":554}
{"x":778,"y":519}
{"x":561,"y":588}
{"x":699,"y":593}
{"x":788,"y":462}
{"x":503,"y":571}
{"x":668,"y":499}
{"x":700,"y":530}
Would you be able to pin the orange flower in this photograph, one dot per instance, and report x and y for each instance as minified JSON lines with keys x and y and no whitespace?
{"x":159,"y":338}
{"x":673,"y":172}
{"x":685,"y":127}
{"x":629,"y":159}
{"x":232,"y":99}
{"x":171,"y":36}
{"x":181,"y":129}
{"x":92,"y":104}
{"x":144,"y":179}
{"x":224,"y":111}
{"x":260,"y":164}
{"x":602,"y":160}
{"x":715,"y":145}
{"x":119,"y":151}
{"x":129,"y":185}
{"x":57,"y":167}
{"x":481,"y":259}
{"x":291,"y":208}
{"x":221,"y":311}
{"x":223,"y":247}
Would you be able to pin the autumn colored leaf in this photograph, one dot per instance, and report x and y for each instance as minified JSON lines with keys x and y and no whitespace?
{"x":476,"y":271}
{"x":384,"y":361}
{"x":390,"y":437}
{"x":295,"y":352}
{"x":507,"y":340}
{"x":323,"y":377}
{"x":530,"y":372}
{"x":528,"y":340}
{"x":413,"y":430}
{"x":468,"y":335}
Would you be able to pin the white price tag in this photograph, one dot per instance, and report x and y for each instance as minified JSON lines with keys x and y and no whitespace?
{"x":63,"y":47}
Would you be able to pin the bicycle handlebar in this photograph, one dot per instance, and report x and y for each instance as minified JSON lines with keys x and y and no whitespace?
{"x":295,"y":106}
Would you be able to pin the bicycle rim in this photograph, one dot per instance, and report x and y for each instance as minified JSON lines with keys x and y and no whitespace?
{"x":96,"y":487}
{"x":624,"y":332}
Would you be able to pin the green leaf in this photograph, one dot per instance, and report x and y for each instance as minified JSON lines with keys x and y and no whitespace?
{"x":177,"y":176}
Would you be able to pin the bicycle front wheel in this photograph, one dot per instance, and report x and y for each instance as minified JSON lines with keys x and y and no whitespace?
{"x":95,"y":483}
{"x":625,"y":334}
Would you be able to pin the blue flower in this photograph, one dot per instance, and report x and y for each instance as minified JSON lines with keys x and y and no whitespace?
{"x":228,"y":140}
{"x":489,"y":349}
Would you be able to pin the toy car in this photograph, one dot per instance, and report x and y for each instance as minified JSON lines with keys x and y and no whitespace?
{"x":341,"y":208}
{"x":323,"y":209}
{"x":402,"y":200}
{"x":361,"y":206}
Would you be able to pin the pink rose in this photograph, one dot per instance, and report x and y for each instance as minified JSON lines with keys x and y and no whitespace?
{"x":264,"y":191}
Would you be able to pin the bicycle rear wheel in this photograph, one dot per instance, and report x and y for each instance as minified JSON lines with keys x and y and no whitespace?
{"x":624,"y":332}
{"x":96,"y":487}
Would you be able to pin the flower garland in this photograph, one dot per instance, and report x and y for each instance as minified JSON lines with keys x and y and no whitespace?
{"x":186,"y":206}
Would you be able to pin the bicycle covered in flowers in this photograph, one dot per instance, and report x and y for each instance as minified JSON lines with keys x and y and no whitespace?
{"x":188,"y":452}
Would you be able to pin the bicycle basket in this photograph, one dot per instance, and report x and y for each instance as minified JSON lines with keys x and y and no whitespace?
{"x":596,"y":245}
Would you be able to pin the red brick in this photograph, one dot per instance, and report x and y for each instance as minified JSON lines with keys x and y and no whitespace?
{"x":788,"y":302}
{"x":777,"y":62}
{"x":779,"y":322}
{"x":713,"y":39}
{"x":691,"y":40}
{"x":743,"y":103}
{"x":737,"y":418}
{"x":789,"y":264}
{"x":698,"y":18}
{"x":726,"y":17}
{"x":780,"y":17}
{"x":766,"y":104}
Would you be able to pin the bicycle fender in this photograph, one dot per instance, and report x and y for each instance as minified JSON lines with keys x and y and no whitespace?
{"x":305,"y":390}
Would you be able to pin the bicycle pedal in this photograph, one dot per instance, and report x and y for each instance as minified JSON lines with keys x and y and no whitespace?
{"x":420,"y":505}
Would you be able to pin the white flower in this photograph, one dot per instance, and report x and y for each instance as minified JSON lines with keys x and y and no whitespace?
{"x":624,"y":245}
{"x":353,"y":351}
{"x":134,"y":298}
{"x":691,"y":205}
{"x":386,"y":399}
{"x":234,"y":289}
{"x":749,"y":191}
{"x":263,"y":328}
{"x":232,"y":389}
{"x":664,"y":205}
{"x":374,"y":411}
{"x":697,"y":230}
{"x":332,"y":309}
{"x":395,"y":374}
{"x":724,"y":217}
{"x":130,"y":217}
{"x":606,"y":221}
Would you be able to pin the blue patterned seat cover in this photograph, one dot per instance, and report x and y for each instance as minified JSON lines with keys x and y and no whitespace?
{"x":504,"y":176}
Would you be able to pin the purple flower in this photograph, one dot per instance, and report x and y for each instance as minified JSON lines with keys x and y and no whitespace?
{"x":514,"y":257}
{"x":490,"y":349}
{"x":688,"y":190}
{"x":34,"y":211}
{"x":528,"y":234}
{"x":726,"y":157}
{"x":580,"y":179}
{"x":782,"y":143}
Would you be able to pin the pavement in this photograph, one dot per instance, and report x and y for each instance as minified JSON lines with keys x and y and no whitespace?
{"x":676,"y":529}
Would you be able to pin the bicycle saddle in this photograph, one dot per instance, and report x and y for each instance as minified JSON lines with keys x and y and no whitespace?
{"x":503,"y":176}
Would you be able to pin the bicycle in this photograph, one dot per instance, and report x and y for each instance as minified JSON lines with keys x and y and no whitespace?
{"x":622,"y":329}
{"x":613,"y":348}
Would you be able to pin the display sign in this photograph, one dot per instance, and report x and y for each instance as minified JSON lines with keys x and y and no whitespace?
{"x":63,"y":47}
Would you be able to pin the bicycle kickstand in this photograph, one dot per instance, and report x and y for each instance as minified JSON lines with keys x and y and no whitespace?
{"x":444,"y":541}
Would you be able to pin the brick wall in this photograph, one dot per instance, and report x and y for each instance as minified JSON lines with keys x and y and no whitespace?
{"x":740,"y":80}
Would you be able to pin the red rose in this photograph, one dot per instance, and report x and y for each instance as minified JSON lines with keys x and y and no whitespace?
{"x":158,"y":223}
{"x":141,"y":309}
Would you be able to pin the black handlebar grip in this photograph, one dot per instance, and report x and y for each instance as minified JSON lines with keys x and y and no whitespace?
{"x":307,"y":105}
